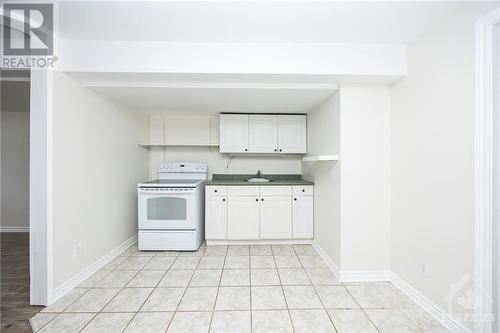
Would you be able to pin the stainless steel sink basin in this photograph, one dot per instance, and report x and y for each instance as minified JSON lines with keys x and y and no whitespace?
{"x":258,"y":180}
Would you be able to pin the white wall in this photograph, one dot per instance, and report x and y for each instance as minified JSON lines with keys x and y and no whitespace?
{"x":15,"y":170}
{"x":352,"y":196}
{"x":365,"y":177}
{"x":432,"y":158}
{"x":323,"y":138}
{"x":97,"y":165}
{"x":252,"y":58}
{"x":177,"y":128}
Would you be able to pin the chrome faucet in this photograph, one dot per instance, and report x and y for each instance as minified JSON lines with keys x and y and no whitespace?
{"x":259,"y":174}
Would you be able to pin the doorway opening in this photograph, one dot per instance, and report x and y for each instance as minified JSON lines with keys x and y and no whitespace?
{"x":15,"y":189}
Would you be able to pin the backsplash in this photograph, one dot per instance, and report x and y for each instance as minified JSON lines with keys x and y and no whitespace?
{"x":220,"y":163}
{"x":204,"y":129}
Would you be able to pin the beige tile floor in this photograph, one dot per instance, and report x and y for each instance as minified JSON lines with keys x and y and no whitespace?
{"x":230,"y":289}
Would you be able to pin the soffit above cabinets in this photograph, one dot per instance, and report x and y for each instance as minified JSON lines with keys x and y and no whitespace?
{"x":212,"y":93}
{"x":213,"y":100}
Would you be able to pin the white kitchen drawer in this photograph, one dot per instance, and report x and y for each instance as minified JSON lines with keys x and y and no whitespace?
{"x":275,"y":190}
{"x":243,"y":191}
{"x":215,"y":190}
{"x":303,"y":190}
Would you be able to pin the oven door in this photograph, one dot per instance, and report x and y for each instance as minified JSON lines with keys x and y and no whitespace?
{"x":167,"y":209}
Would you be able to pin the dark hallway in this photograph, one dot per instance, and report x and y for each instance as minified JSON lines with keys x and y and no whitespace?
{"x":14,"y":284}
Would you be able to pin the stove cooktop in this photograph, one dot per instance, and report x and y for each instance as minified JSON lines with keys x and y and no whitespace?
{"x":172,"y":183}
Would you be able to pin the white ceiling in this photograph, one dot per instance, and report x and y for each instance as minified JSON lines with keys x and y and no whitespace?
{"x":251,"y":22}
{"x":212,"y":100}
{"x":238,"y":22}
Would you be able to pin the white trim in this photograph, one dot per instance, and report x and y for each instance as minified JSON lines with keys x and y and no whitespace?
{"x":49,"y":185}
{"x":375,"y":276}
{"x":14,"y":229}
{"x":40,"y":183}
{"x":87,"y":272}
{"x":427,"y":305}
{"x":350,"y":276}
{"x":483,"y":150}
{"x":326,"y":258}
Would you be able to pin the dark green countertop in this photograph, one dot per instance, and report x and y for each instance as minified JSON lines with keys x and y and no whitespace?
{"x":239,"y":180}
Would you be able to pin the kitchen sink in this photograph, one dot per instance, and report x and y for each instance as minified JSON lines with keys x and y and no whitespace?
{"x":258,"y":180}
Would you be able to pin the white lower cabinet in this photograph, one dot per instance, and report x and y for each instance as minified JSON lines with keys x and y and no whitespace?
{"x":302,"y":216}
{"x":258,"y":212}
{"x":275,"y":217}
{"x":216,"y":217}
{"x":242,"y":218}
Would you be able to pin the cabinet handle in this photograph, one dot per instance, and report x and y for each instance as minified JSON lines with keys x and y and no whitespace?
{"x":262,"y":199}
{"x":280,"y":150}
{"x":223,"y":199}
{"x":257,"y":199}
{"x":303,"y":190}
{"x":276,"y":150}
{"x":246,"y":149}
{"x":295,"y":199}
{"x":215,"y":191}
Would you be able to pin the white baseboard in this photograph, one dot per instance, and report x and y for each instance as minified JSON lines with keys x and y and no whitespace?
{"x":14,"y":229}
{"x":435,"y":311}
{"x":372,"y":276}
{"x":87,"y":272}
{"x":350,"y":276}
{"x":331,"y":264}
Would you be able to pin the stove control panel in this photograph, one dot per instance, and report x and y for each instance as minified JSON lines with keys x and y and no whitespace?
{"x":165,"y":190}
{"x":177,"y":167}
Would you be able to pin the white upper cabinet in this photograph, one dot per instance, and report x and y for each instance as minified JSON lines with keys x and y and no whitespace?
{"x":262,"y":134}
{"x":284,"y":134}
{"x":233,"y":131}
{"x":292,"y":134}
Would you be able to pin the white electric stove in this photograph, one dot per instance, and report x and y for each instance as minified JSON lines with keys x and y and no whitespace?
{"x":171,"y":209}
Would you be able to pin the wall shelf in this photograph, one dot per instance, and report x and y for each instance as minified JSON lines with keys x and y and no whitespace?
{"x":317,"y":158}
{"x":149,"y":145}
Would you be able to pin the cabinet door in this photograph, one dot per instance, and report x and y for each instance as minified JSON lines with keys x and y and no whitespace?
{"x":243,"y":218}
{"x":302,"y":216}
{"x":263,"y":134}
{"x":233,"y":133}
{"x":292,"y":134}
{"x":276,"y":217}
{"x":215,"y":217}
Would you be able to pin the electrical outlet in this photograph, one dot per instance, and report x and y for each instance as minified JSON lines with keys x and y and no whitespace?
{"x":77,"y":251}
{"x":423,"y":270}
